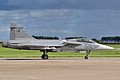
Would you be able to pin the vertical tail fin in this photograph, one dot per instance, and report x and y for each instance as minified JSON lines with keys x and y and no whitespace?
{"x":18,"y":32}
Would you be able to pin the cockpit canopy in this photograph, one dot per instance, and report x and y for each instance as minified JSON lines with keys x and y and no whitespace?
{"x":86,"y":40}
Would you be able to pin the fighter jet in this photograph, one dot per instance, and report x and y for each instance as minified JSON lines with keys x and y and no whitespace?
{"x":22,"y":40}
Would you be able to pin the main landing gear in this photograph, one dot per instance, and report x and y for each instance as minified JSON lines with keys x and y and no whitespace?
{"x":87,"y":54}
{"x":44,"y":56}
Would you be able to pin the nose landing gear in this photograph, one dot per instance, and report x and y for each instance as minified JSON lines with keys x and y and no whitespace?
{"x":87,"y":54}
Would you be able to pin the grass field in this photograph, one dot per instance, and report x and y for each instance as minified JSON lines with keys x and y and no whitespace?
{"x":14,"y":53}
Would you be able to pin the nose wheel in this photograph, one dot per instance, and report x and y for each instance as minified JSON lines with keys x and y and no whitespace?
{"x":87,"y":54}
{"x":86,"y":57}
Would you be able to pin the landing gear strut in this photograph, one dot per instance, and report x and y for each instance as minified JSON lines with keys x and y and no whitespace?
{"x":87,"y":54}
{"x":44,"y":56}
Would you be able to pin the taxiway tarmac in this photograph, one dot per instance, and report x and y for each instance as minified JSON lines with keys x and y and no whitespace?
{"x":60,"y":69}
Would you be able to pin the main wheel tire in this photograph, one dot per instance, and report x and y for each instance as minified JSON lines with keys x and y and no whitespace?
{"x":44,"y":56}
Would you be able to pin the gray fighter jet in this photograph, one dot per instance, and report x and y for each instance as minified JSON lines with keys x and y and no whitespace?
{"x":20,"y":39}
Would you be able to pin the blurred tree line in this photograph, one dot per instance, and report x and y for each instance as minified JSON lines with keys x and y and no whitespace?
{"x":44,"y":37}
{"x":111,"y":39}
{"x":74,"y":37}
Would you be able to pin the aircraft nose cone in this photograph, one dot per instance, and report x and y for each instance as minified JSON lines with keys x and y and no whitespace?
{"x":104,"y":47}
